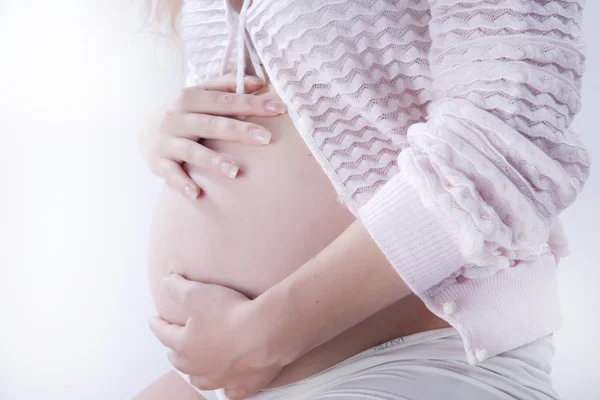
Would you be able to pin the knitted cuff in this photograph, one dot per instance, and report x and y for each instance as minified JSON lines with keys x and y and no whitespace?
{"x":422,"y":247}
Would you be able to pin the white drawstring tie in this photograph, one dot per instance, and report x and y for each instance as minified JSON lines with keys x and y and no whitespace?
{"x":239,"y":29}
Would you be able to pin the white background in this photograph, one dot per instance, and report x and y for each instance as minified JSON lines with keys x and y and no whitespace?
{"x":78,"y":80}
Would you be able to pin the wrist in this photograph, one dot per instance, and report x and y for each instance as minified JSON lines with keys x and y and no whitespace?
{"x":271,"y":328}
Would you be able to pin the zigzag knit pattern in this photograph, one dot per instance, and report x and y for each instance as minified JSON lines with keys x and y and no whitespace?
{"x":469,"y":103}
{"x":496,"y":84}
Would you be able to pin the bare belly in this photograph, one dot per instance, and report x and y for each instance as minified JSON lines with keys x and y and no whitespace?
{"x":253,"y":231}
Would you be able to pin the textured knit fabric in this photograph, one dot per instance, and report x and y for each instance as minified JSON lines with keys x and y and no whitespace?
{"x":444,"y":125}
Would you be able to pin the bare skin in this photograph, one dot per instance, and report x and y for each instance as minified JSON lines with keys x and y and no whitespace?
{"x":169,"y":386}
{"x":251,"y":232}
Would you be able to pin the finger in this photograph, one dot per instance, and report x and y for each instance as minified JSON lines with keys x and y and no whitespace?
{"x":173,"y":173}
{"x":180,"y":363}
{"x":187,"y":294}
{"x":247,"y":387}
{"x":191,"y":152}
{"x":239,"y":393}
{"x":170,"y":335}
{"x":228,"y":83}
{"x":234,"y":394}
{"x":203,"y":126}
{"x":203,"y":383}
{"x":181,"y":291}
{"x":197,"y":100}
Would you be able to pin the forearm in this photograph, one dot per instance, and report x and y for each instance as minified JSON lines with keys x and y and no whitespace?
{"x":344,"y":284}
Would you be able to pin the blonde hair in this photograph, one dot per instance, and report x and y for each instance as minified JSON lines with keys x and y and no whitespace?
{"x":163,"y":15}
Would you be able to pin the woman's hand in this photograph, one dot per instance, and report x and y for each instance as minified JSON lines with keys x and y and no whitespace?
{"x":221,"y":345}
{"x":206,"y":112}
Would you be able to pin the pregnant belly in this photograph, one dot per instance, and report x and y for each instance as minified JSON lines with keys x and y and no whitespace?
{"x":251,"y":232}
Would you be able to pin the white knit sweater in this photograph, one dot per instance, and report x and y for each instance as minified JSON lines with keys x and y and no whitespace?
{"x":445,"y":125}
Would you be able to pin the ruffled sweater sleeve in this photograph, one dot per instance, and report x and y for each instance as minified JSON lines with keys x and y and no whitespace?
{"x":484,"y":179}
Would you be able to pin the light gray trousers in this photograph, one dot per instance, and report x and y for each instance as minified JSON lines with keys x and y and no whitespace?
{"x":429,"y":365}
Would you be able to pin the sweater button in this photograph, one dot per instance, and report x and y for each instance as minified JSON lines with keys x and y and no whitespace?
{"x":305,"y":124}
{"x":481,"y":354}
{"x":449,"y":307}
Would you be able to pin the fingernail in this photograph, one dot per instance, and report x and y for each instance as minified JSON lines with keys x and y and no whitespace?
{"x":228,"y":169}
{"x":253,"y":80}
{"x":275,"y":106}
{"x":260,"y":136}
{"x":190,"y":192}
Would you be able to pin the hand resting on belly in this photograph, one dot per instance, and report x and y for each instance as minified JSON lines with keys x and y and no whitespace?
{"x":250,"y":232}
